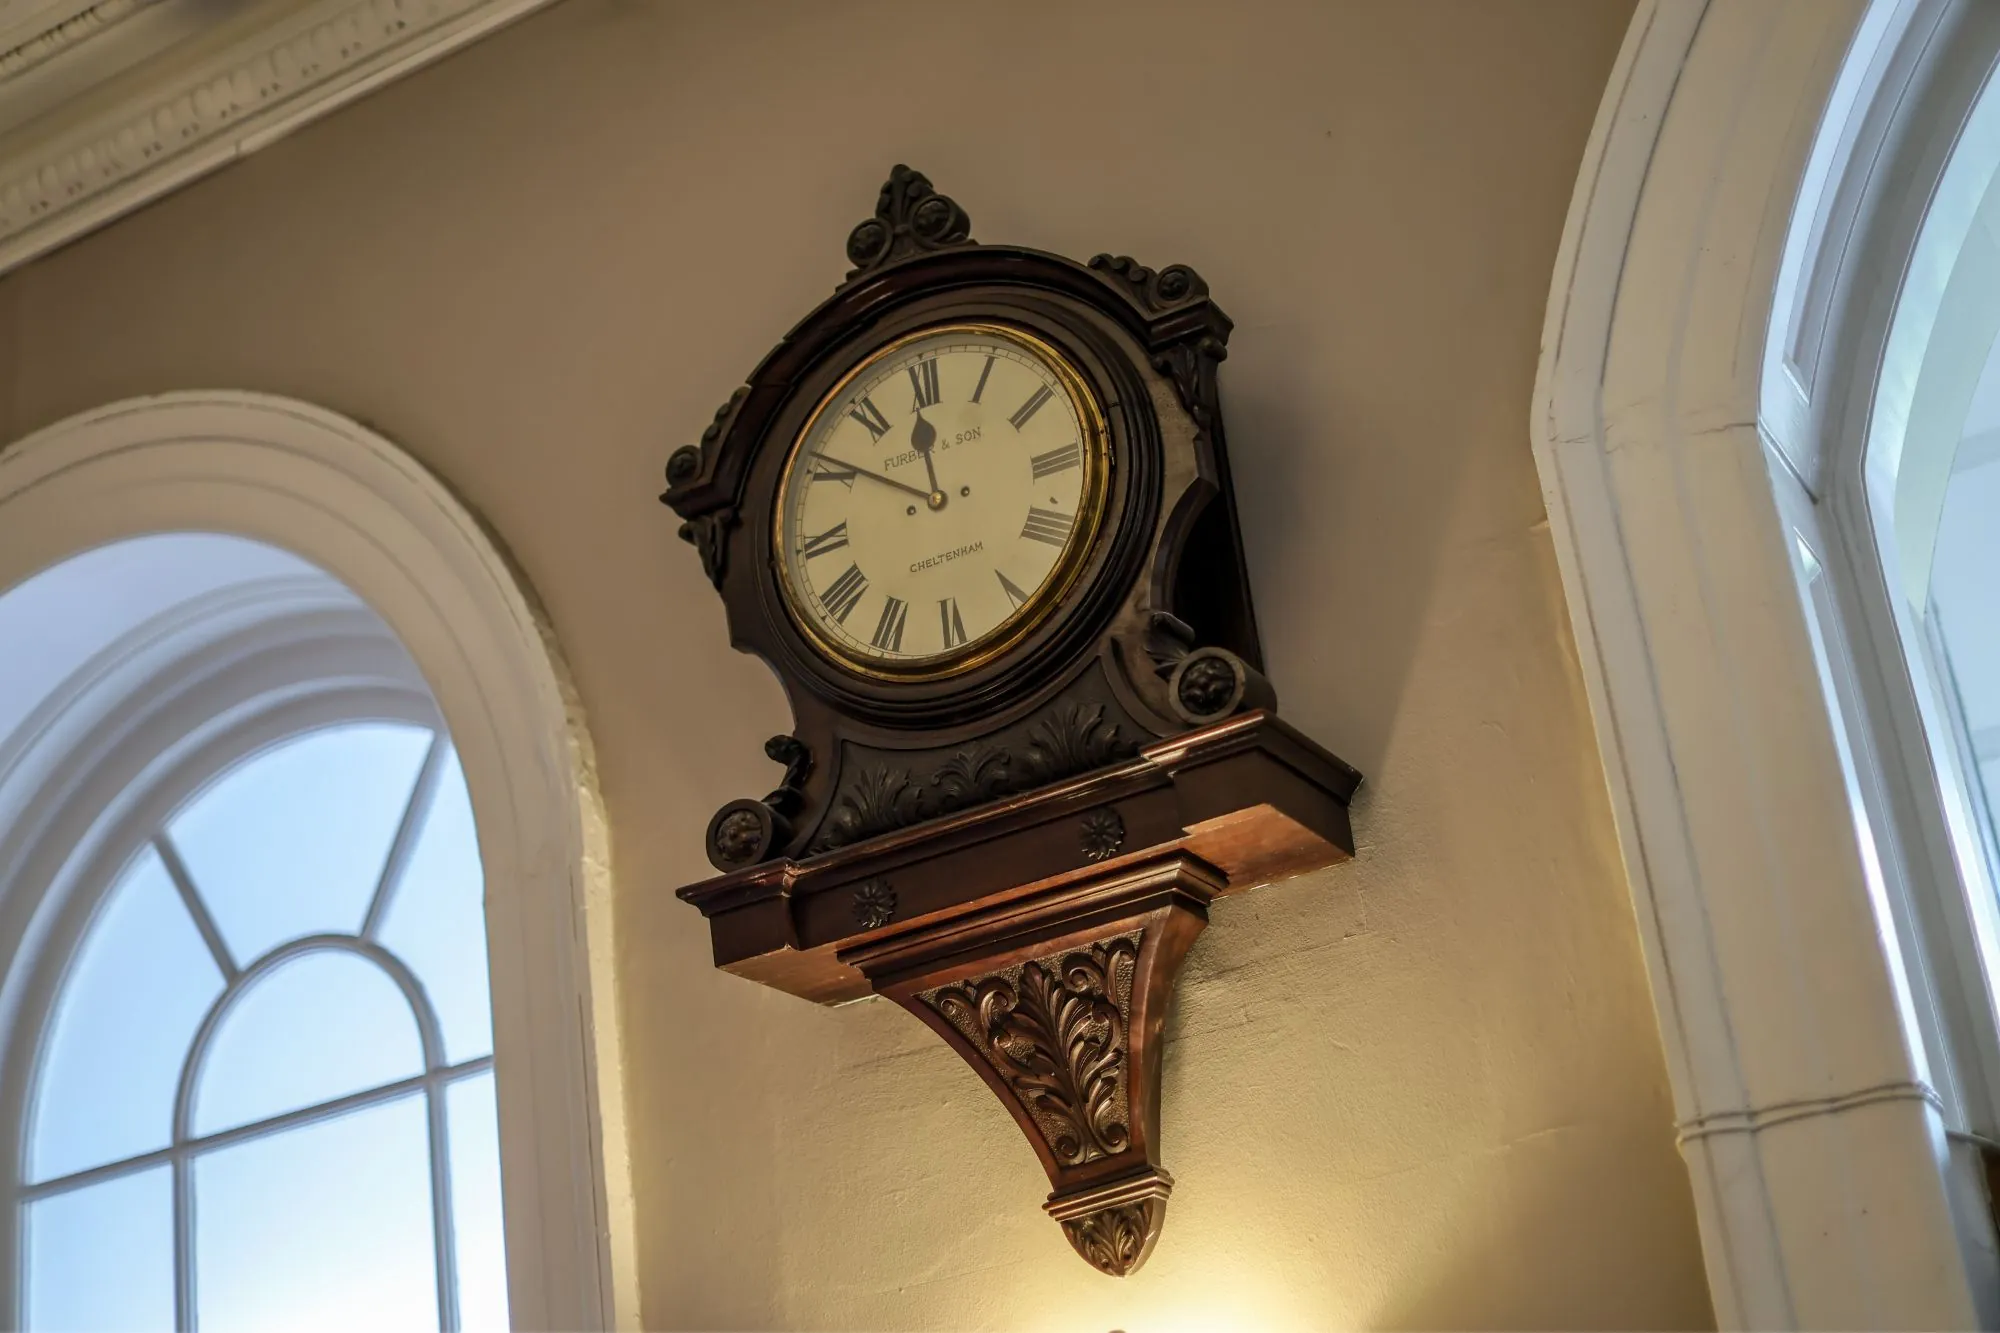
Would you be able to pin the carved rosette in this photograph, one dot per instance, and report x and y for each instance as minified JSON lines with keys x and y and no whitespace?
{"x":1055,"y":1030}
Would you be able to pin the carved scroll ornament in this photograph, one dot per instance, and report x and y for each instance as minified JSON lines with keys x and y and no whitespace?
{"x":1055,"y":1030}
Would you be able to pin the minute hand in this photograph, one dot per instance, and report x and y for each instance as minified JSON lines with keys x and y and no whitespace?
{"x":917,"y":491}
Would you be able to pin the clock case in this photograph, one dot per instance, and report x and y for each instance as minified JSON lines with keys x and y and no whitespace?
{"x":1091,"y":682}
{"x":1022,"y":853}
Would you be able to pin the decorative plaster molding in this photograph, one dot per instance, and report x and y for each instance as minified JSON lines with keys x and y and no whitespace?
{"x":66,"y":35}
{"x":262,"y":87}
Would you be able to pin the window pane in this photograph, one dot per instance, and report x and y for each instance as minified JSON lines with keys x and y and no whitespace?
{"x":1967,"y":604}
{"x":138,"y":989}
{"x":475,"y":1205}
{"x":323,"y":1227}
{"x":437,"y":921}
{"x":322,"y":1025}
{"x":293,"y":841}
{"x":102,"y":1258}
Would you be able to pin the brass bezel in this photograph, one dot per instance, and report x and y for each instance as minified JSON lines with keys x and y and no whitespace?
{"x":1036,"y":610}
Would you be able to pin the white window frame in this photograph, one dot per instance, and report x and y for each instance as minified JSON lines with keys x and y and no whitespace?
{"x":326,"y":489}
{"x":1825,"y":1018}
{"x":278,"y":679}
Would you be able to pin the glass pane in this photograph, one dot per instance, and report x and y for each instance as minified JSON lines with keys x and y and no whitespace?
{"x":320,"y":1026}
{"x":292,"y":842}
{"x":437,"y":921}
{"x":1966,"y":602}
{"x":475,"y":1205}
{"x":323,"y":1227}
{"x":102,"y":1258}
{"x":140,"y":985}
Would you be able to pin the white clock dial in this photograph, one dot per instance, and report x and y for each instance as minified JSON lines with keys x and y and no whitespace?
{"x":940,"y":500}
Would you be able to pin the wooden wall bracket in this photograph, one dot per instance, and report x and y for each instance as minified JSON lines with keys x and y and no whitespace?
{"x":1042,"y":935}
{"x":1057,"y":1001}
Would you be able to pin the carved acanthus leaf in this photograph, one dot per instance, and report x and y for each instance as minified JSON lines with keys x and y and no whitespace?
{"x":879,"y":800}
{"x":1055,"y":1029}
{"x":1074,"y":738}
{"x":1065,"y":740}
{"x":1112,"y":1240}
{"x":972,"y":776}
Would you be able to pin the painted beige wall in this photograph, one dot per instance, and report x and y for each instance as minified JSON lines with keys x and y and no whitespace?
{"x":1421,"y":1089}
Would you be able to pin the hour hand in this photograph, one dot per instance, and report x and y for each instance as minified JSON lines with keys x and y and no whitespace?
{"x":917,"y":491}
{"x":922,"y":436}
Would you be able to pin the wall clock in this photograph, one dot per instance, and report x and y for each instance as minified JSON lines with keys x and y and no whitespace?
{"x":975,"y":512}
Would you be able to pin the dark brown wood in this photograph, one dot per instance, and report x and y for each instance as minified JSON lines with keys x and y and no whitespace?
{"x":1250,"y":796}
{"x":1021,"y":854}
{"x":1165,"y":577}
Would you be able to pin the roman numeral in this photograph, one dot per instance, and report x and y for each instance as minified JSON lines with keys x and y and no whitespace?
{"x":954,"y":628}
{"x":1014,"y":594}
{"x":980,"y":387}
{"x":826,"y":471}
{"x":924,"y":380}
{"x":1029,"y":408}
{"x":889,"y":629}
{"x":832,"y":539}
{"x":843,"y":593}
{"x":1046,"y":525}
{"x":1057,"y":460}
{"x":870,"y":416}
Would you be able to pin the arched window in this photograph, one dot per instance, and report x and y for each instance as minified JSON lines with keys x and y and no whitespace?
{"x":256,"y":1077}
{"x":269,"y":1064}
{"x":157,"y":680}
{"x":1881,"y":398}
{"x":1772,"y":311}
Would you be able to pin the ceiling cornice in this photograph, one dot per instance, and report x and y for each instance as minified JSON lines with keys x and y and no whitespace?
{"x":64,"y":35}
{"x":160,"y":132}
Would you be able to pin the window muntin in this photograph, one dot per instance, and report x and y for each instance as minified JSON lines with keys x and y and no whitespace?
{"x":309,"y":1134}
{"x":317,"y":815}
{"x":136,"y":994}
{"x":318,"y":1025}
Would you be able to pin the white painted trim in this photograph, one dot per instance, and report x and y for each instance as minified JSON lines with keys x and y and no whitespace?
{"x":1762,"y":935}
{"x":1865,"y":238}
{"x":334,"y":493}
{"x":170,"y":130}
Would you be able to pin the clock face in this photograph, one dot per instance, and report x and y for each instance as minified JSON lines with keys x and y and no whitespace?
{"x":940,"y":501}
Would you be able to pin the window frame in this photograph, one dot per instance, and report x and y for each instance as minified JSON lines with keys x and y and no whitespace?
{"x":323,"y":488}
{"x":259,"y":723}
{"x":1826,"y":1184}
{"x":1840,"y":368}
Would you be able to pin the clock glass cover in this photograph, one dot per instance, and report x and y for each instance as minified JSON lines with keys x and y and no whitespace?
{"x":940,"y":501}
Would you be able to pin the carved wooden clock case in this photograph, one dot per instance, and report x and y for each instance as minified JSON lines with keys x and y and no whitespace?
{"x":1014,"y":831}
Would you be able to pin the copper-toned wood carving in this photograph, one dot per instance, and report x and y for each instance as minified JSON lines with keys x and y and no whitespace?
{"x":1057,"y":999}
{"x":1054,"y":1030}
